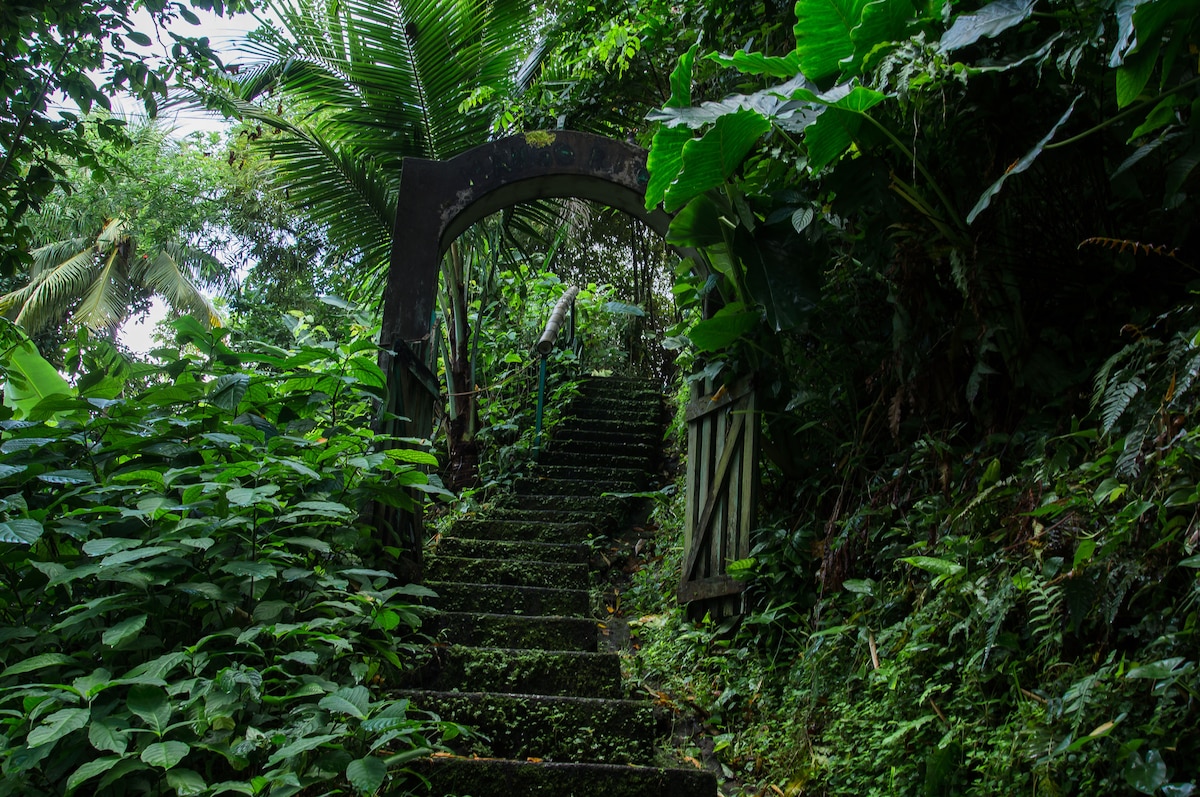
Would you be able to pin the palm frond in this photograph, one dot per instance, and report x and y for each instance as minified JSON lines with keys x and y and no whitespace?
{"x":168,"y":279}
{"x":106,"y":301}
{"x":51,"y":292}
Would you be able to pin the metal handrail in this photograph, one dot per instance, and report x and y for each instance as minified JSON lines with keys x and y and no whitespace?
{"x":545,"y":345}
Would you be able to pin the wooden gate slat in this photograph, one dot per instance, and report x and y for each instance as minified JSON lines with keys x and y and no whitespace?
{"x":721,"y":481}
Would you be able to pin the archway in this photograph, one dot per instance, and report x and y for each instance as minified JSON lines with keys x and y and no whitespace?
{"x":438,"y":201}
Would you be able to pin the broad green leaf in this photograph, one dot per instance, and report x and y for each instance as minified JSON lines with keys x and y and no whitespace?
{"x":165,"y":755}
{"x":248,"y":496}
{"x":30,"y":377}
{"x":89,"y":770}
{"x":835,"y":130}
{"x":823,"y":34}
{"x":124,"y":630}
{"x":186,"y":782}
{"x":107,"y":545}
{"x":1146,"y":775}
{"x":21,"y":531}
{"x":58,"y":725}
{"x":136,"y":555}
{"x":1021,"y":165}
{"x":940,"y":567}
{"x":228,"y":390}
{"x":991,"y":20}
{"x":1159,"y":669}
{"x":151,"y":704}
{"x":718,"y":332}
{"x":666,"y":150}
{"x":1083,"y":553}
{"x":354,"y":700}
{"x":299,"y":746}
{"x":366,"y":774}
{"x":709,"y":160}
{"x":67,"y":477}
{"x":252,"y":569}
{"x":759,"y":64}
{"x":697,"y":225}
{"x":413,"y":456}
{"x":861,"y":586}
{"x":883,"y":22}
{"x":103,"y":736}
{"x":1133,"y":75}
{"x":38,"y":662}
{"x":621,"y":308}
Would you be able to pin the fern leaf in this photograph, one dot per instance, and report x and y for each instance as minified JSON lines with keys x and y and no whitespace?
{"x":1117,"y":399}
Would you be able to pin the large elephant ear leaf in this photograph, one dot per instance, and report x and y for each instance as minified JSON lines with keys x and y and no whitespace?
{"x":666,"y":152}
{"x":991,"y":20}
{"x":823,"y":34}
{"x":30,"y":378}
{"x":710,"y":160}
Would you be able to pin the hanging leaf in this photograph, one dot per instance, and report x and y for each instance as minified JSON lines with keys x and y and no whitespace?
{"x":1021,"y":165}
{"x":991,"y":20}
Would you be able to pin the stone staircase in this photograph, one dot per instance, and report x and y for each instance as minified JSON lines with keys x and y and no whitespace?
{"x":517,"y":610}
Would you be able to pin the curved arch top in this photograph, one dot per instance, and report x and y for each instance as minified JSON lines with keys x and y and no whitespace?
{"x":439,"y":200}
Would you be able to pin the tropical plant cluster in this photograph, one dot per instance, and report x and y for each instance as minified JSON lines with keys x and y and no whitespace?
{"x":191,"y":603}
{"x":954,"y":245}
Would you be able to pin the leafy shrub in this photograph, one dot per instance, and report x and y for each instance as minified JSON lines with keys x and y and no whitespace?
{"x":189,"y":601}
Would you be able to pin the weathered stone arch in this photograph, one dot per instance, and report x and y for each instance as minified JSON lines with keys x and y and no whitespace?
{"x":439,"y":200}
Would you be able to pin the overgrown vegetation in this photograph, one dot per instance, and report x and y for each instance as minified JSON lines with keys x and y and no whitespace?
{"x":189,"y":602}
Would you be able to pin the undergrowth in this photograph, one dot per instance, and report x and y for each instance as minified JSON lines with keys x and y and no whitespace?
{"x":1010,"y":616}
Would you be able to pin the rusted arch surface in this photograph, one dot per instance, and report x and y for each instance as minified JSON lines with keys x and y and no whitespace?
{"x":439,"y":200}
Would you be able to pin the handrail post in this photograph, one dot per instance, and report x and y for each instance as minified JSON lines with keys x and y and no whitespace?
{"x":544,"y":346}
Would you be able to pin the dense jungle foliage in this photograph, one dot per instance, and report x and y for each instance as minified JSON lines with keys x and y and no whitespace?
{"x":953,"y":243}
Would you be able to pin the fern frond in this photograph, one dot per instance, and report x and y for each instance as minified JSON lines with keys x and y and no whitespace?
{"x":1117,"y":399}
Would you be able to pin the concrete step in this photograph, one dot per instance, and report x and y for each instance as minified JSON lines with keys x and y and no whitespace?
{"x":587,"y":455}
{"x":597,"y":474}
{"x":510,"y":572}
{"x":580,"y":729}
{"x":507,"y":549}
{"x":600,"y":520}
{"x":504,"y":778}
{"x":572,"y":487}
{"x":522,"y":531}
{"x":528,"y":671}
{"x":458,"y":596}
{"x":489,"y":630}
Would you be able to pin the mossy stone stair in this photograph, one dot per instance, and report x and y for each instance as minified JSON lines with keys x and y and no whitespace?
{"x":517,"y":611}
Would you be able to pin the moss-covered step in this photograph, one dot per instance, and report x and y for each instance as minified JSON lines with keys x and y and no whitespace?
{"x":543,"y":502}
{"x":632,"y":426}
{"x":529,"y":672}
{"x":506,"y":778}
{"x":514,"y":572}
{"x":605,"y":437}
{"x":569,"y":445}
{"x":570,"y":459}
{"x":458,"y":596}
{"x":571,"y":487}
{"x":600,"y":519}
{"x":583,"y":414}
{"x":585,"y":471}
{"x":522,"y":530}
{"x":490,"y":630}
{"x":507,"y":549}
{"x":579,"y":729}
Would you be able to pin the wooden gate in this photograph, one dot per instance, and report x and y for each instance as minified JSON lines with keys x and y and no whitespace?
{"x":723,"y":429}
